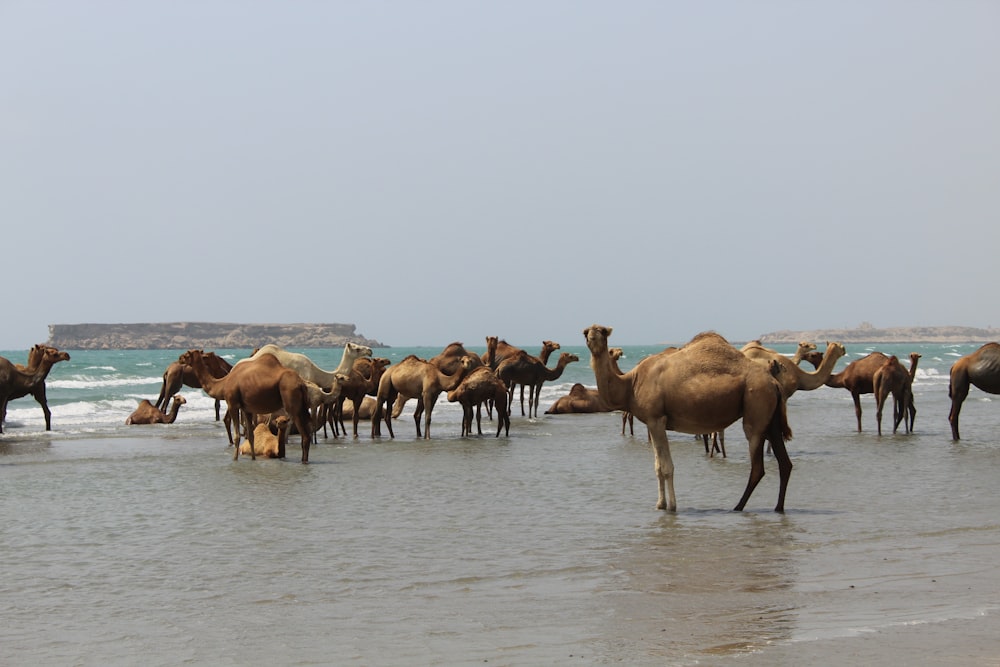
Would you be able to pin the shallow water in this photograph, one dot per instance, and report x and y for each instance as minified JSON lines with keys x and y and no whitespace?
{"x":539,"y":548}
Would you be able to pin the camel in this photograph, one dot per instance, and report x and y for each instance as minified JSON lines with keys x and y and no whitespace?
{"x":892,"y":378}
{"x":178,"y":375}
{"x":267,"y":443}
{"x":448,"y":361}
{"x":701,"y":388}
{"x":496,"y":351}
{"x":858,"y":378}
{"x":531,"y":372}
{"x":255,"y":387}
{"x":479,"y":386}
{"x":367,"y":409}
{"x":414,"y":378}
{"x":305,"y":367}
{"x":980,"y":368}
{"x":362,"y":382}
{"x":792,"y":378}
{"x":147,"y":413}
{"x":579,"y":400}
{"x":17,"y":382}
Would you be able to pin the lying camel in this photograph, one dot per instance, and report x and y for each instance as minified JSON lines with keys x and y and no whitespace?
{"x":980,"y":368}
{"x":16,"y":381}
{"x":259,"y":386}
{"x":701,"y":388}
{"x":579,"y":400}
{"x":267,"y":443}
{"x":147,"y":413}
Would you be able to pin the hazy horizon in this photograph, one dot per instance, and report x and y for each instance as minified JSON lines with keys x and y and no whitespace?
{"x":444,"y":171}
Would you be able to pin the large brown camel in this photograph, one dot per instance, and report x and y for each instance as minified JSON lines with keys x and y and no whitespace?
{"x":892,"y":379}
{"x":479,"y":386}
{"x":361,"y":383}
{"x":178,"y":375}
{"x":257,"y":387}
{"x":267,"y":443}
{"x":792,"y":378}
{"x":414,"y":378}
{"x":147,"y":413}
{"x":858,"y":378}
{"x":980,"y":368}
{"x":17,"y":382}
{"x":448,"y":361}
{"x":701,"y":388}
{"x":530,"y":372}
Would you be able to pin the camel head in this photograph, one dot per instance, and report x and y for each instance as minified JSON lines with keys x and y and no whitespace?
{"x":359,"y":350}
{"x":597,"y":338}
{"x":616,"y":353}
{"x":179,"y":400}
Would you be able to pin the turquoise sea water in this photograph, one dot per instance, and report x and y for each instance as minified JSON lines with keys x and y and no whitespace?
{"x":149,"y":543}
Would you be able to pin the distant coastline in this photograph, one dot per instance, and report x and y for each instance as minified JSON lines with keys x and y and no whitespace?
{"x":202,"y":335}
{"x":866,"y":333}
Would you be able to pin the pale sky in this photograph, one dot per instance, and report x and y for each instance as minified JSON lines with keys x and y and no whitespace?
{"x":439,"y":171}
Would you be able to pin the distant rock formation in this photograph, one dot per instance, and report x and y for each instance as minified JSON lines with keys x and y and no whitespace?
{"x":866,"y":333}
{"x":201,"y":335}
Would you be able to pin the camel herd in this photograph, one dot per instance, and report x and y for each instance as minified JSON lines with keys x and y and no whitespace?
{"x":700,"y":388}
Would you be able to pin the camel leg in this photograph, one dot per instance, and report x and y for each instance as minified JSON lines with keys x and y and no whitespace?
{"x":757,"y":469}
{"x":664,"y":466}
{"x":3,"y":412}
{"x":957,"y":398}
{"x":879,"y":403}
{"x":784,"y":468}
{"x":857,"y":408}
{"x":429,"y":402}
{"x":39,"y":395}
{"x":417,"y":414}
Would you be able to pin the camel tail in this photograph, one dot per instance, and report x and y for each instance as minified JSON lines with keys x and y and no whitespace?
{"x":779,"y":420}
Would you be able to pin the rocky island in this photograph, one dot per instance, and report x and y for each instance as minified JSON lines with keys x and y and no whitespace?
{"x":867,"y":333}
{"x":202,"y":335}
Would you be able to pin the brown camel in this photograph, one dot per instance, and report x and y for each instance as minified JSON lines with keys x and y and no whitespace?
{"x":414,"y":378}
{"x":178,"y":375}
{"x":448,"y":361}
{"x":361,"y":383}
{"x":858,"y":378}
{"x":701,"y":388}
{"x":892,"y":378}
{"x":17,"y":382}
{"x":479,"y":386}
{"x":530,"y":372}
{"x":367,"y":409}
{"x":496,"y":351}
{"x":980,"y":368}
{"x":147,"y":413}
{"x":267,"y":443}
{"x":256,"y":387}
{"x":792,"y":378}
{"x":579,"y":400}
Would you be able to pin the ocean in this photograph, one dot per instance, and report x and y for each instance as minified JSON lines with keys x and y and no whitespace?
{"x":127,"y":544}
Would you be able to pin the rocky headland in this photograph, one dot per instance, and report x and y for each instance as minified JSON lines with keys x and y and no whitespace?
{"x":866,"y":333}
{"x":202,"y":335}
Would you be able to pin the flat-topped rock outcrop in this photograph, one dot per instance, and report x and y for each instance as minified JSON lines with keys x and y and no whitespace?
{"x":866,"y":333}
{"x":201,"y":335}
